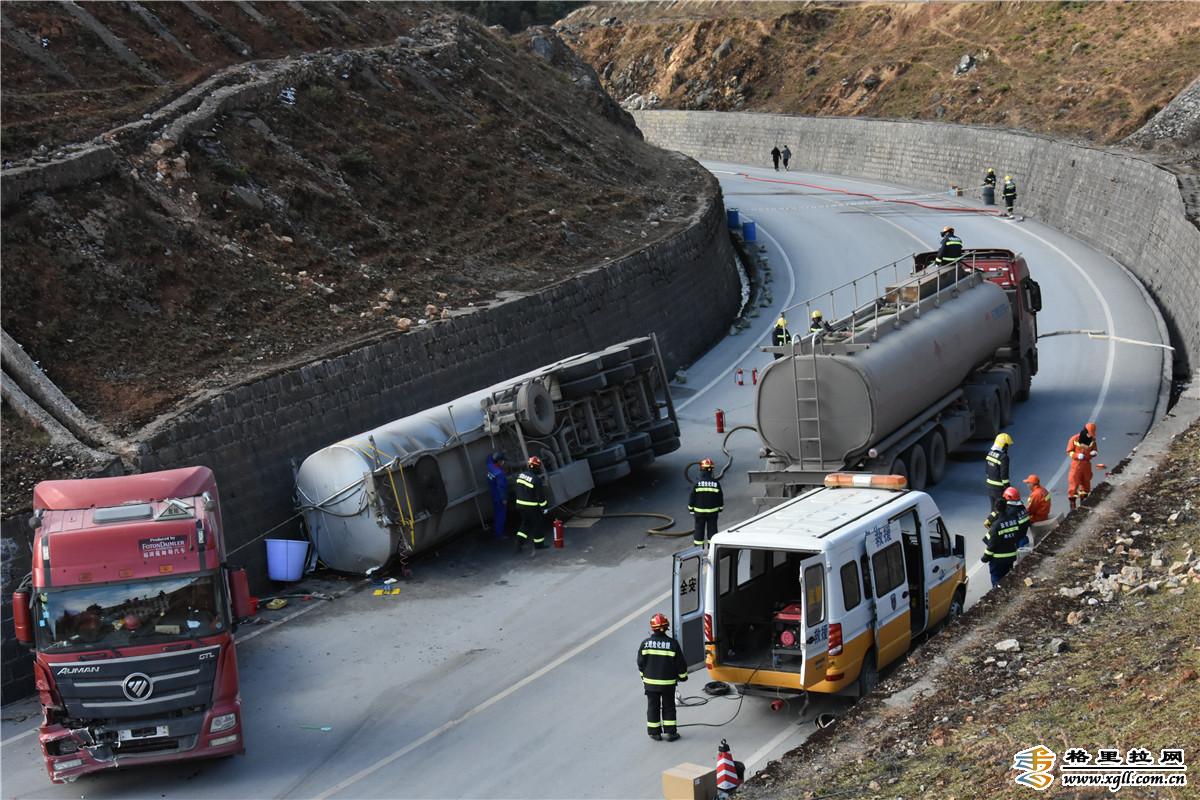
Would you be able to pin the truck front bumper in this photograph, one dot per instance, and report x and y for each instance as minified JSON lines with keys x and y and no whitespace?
{"x":70,"y":753}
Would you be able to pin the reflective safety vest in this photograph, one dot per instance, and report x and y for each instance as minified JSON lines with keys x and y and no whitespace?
{"x":951,"y":250}
{"x":781,"y":336}
{"x":1010,"y":189}
{"x":1002,"y":538}
{"x":1076,"y":448}
{"x":996,"y":463}
{"x":661,"y":662}
{"x":529,"y":490}
{"x":706,"y":497}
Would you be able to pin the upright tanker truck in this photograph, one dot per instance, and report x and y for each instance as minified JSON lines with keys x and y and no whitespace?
{"x":936,"y":358}
{"x":130,"y":610}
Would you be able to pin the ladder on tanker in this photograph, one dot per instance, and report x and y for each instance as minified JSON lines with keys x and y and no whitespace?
{"x":855,"y":331}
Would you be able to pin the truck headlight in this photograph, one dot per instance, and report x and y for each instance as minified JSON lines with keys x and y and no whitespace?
{"x":222,"y":723}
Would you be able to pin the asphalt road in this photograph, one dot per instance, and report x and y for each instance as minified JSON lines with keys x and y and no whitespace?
{"x":493,"y":675}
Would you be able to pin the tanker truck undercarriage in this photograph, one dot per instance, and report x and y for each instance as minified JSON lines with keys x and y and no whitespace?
{"x":411,"y":484}
{"x":936,"y":359}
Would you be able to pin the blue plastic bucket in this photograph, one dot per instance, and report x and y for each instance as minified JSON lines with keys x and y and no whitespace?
{"x":749,"y":231}
{"x":731,"y":217}
{"x":285,"y":559}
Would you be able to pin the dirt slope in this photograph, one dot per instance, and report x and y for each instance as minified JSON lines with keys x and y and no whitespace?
{"x":392,"y":185}
{"x":1093,"y":71}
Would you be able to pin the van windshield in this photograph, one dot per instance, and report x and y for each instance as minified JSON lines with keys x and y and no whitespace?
{"x":124,"y":614}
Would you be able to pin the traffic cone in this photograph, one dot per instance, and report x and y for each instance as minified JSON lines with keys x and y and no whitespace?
{"x":727,"y":776}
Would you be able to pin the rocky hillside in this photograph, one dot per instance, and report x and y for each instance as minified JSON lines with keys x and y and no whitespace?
{"x":343,"y":195}
{"x":1094,"y":71}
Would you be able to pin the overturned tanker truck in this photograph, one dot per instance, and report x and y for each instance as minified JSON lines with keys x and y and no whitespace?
{"x":405,"y":487}
{"x":936,"y":358}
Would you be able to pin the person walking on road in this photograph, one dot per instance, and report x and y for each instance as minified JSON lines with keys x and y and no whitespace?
{"x":531,"y":502}
{"x":1081,"y":449}
{"x":498,"y":484}
{"x":1002,"y":540}
{"x":996,"y":467}
{"x":780,"y":335}
{"x":1010,"y":194}
{"x":787,"y":156}
{"x":775,"y":155}
{"x":1038,"y":504}
{"x":705,"y":503}
{"x":951,"y":249}
{"x":662,"y":665}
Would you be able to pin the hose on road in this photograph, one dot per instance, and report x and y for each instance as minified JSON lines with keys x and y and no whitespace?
{"x":664,"y":529}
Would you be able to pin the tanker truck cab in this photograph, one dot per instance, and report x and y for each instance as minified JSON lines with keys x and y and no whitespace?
{"x":819,"y":593}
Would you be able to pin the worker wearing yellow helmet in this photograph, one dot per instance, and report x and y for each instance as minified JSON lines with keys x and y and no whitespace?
{"x":1010,"y":194}
{"x":996,"y":466}
{"x":989,"y":177}
{"x":817,"y":322}
{"x":780,"y":336}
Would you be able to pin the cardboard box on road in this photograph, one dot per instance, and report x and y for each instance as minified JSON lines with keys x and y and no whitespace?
{"x":689,"y":781}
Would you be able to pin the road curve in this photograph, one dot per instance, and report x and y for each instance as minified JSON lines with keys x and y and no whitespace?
{"x":493,"y":675}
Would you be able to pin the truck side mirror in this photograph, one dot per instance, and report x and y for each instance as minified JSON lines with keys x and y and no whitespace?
{"x":1035,"y":295}
{"x":960,"y":546}
{"x":239,"y":591}
{"x":22,"y":619}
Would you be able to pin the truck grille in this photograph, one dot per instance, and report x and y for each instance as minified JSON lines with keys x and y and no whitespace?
{"x":137,"y":686}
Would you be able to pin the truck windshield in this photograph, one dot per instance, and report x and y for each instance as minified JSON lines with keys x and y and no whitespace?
{"x":125,"y":614}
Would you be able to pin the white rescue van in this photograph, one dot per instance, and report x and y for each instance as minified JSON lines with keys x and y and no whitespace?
{"x":820,"y":592}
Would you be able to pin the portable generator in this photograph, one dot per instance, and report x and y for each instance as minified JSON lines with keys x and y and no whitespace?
{"x":789,"y":625}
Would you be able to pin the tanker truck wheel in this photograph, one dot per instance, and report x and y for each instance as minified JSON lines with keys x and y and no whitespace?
{"x":899,"y":468}
{"x":935,"y":457}
{"x":1026,"y":380}
{"x":987,"y":419}
{"x":1006,"y":404}
{"x":918,"y":474}
{"x":534,"y":400}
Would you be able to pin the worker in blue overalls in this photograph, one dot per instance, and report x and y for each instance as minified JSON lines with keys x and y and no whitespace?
{"x":498,"y":481}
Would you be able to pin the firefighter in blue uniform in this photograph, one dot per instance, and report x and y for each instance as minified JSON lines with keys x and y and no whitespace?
{"x":531,"y":503}
{"x":1004,"y":536}
{"x":951,"y":248}
{"x":498,"y":484}
{"x":662,"y":665}
{"x":706,"y":501}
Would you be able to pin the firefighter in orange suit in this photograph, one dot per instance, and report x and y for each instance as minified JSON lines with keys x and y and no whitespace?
{"x":1038,"y":503}
{"x":1081,"y":449}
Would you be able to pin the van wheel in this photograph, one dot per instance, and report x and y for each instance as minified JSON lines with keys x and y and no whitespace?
{"x":956,"y":606}
{"x":917,"y":470}
{"x":935,"y":456}
{"x":868,"y":676}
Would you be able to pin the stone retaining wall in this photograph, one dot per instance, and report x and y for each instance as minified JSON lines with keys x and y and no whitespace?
{"x":1114,"y":200}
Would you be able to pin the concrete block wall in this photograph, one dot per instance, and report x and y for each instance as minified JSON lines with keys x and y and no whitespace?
{"x":1116,"y":200}
{"x":684,"y":288}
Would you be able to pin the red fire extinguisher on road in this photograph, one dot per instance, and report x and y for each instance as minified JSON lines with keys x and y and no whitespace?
{"x":754,"y":376}
{"x":739,"y":378}
{"x":558,"y":533}
{"x":720,"y":420}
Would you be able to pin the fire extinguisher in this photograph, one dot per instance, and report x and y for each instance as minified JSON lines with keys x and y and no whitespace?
{"x":754,"y":376}
{"x":558,"y":533}
{"x":739,"y":378}
{"x":720,"y":420}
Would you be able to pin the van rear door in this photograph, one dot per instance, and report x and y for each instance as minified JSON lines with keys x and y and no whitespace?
{"x":885,"y":557}
{"x":687,"y":603}
{"x":816,"y":620}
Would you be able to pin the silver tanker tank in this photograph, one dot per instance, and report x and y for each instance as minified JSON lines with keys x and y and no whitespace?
{"x":890,"y":373}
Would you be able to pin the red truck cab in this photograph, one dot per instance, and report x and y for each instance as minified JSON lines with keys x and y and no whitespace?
{"x":130,"y":610}
{"x":1009,"y":271}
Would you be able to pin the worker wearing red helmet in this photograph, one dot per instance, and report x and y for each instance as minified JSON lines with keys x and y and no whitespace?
{"x":705,"y":503}
{"x":1005,"y":535}
{"x":531,"y":503}
{"x":1039,"y":500}
{"x":662,"y":665}
{"x":1081,"y":449}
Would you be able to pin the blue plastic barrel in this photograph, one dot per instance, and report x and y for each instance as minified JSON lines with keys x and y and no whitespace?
{"x":749,"y":231}
{"x":285,"y":559}
{"x":731,"y":217}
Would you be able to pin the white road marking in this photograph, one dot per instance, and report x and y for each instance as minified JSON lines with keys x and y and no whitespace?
{"x":12,"y":739}
{"x":766,"y":749}
{"x":493,"y":700}
{"x":757,"y":337}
